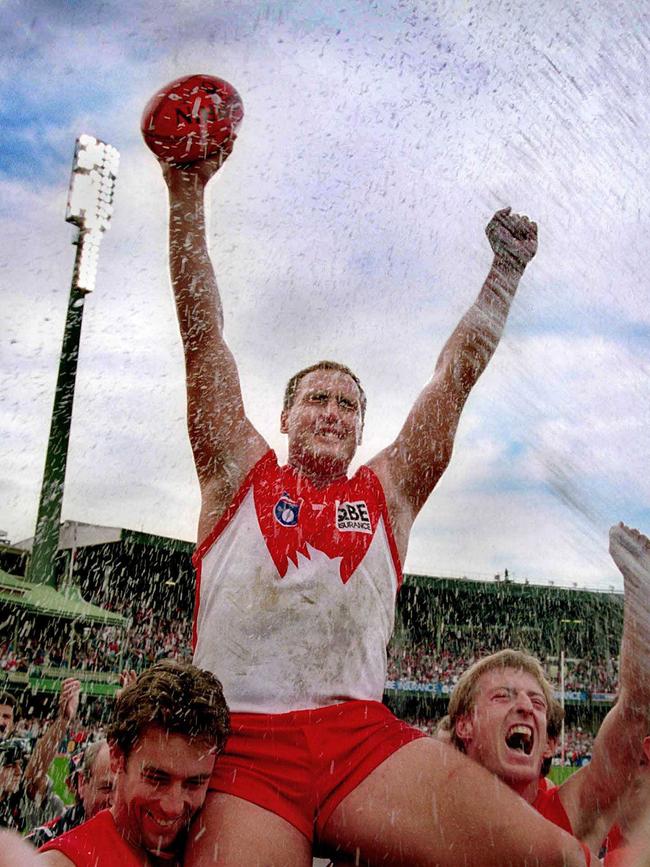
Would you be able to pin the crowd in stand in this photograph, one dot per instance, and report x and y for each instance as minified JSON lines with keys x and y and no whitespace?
{"x":578,"y":743}
{"x":425,"y":665}
{"x":162,"y":638}
{"x":153,"y":636}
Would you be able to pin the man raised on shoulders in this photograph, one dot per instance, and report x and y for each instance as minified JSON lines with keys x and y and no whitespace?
{"x":297,"y":571}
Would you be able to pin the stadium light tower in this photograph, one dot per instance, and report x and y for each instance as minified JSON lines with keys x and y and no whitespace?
{"x":90,"y":206}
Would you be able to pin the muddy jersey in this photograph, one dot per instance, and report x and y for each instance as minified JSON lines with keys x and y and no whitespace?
{"x":296,"y":591}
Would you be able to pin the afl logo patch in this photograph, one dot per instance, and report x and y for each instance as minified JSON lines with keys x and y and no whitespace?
{"x":353,"y":517}
{"x":286,"y":511}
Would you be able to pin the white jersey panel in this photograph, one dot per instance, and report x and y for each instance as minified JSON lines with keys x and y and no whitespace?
{"x":301,"y":641}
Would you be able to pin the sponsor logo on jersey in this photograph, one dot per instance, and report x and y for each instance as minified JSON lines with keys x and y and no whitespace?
{"x":286,"y":511}
{"x":353,"y":517}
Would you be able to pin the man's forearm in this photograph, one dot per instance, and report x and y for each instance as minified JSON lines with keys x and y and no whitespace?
{"x":498,"y":291}
{"x":634,"y":668}
{"x":43,"y":756}
{"x":630,"y":551}
{"x":198,"y":303}
{"x":472,"y":344}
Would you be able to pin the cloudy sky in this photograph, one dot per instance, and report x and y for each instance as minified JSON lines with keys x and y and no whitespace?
{"x":378,"y":140}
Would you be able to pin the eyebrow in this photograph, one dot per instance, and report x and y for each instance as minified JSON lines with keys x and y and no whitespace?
{"x":512,"y":689}
{"x":154,"y":770}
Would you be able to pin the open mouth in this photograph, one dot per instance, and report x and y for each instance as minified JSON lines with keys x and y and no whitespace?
{"x":520,"y":738}
{"x":329,"y":434}
{"x":163,"y":824}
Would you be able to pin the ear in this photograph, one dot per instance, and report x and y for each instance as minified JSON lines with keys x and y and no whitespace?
{"x":464,"y":729}
{"x":81,"y":784}
{"x":118,"y":758}
{"x":551,"y":744}
{"x":646,"y":748}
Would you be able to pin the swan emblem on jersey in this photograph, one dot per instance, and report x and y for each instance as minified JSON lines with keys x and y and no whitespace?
{"x":286,"y":511}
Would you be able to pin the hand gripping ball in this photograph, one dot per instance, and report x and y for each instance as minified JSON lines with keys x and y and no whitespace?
{"x":192,"y":118}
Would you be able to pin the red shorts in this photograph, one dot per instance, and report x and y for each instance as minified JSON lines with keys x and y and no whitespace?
{"x":301,"y":765}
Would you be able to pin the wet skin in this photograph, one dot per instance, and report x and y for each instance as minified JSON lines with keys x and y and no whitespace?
{"x":506,"y":731}
{"x":160,"y":786}
{"x":323,"y":425}
{"x":96,"y":792}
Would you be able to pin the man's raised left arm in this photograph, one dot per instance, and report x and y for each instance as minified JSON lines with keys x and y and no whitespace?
{"x":411,"y":466}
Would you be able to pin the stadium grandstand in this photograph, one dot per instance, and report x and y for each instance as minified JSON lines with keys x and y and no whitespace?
{"x":125,"y":599}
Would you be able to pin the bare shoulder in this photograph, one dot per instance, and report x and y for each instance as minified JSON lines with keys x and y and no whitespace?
{"x":15,"y":852}
{"x":400,"y":511}
{"x":53,"y":858}
{"x":218,"y":490}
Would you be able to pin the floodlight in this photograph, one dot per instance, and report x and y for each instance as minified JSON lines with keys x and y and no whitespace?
{"x":90,"y":202}
{"x":90,"y":199}
{"x":92,"y":183}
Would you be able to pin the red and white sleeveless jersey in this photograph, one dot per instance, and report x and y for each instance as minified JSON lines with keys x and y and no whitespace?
{"x":295,"y":592}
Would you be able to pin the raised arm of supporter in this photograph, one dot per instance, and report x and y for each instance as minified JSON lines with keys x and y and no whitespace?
{"x":591,"y":796}
{"x":224,"y":442}
{"x":127,"y":677}
{"x":47,"y":745}
{"x":412,"y":465}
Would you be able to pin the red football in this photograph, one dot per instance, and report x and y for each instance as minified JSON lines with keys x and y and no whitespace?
{"x":192,"y":118}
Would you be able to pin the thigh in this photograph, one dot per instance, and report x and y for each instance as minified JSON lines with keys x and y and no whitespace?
{"x":231,"y":832}
{"x":428,"y":804}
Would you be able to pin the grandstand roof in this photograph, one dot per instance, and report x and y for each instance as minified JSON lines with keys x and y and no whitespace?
{"x":500,"y":586}
{"x":77,"y":534}
{"x":45,"y":600}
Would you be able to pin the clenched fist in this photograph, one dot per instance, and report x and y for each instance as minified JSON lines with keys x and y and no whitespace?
{"x":512,"y":237}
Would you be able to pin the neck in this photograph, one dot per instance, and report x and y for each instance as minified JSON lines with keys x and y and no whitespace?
{"x":166,"y":859}
{"x":526,"y":790}
{"x":129,"y":838}
{"x":320,"y":472}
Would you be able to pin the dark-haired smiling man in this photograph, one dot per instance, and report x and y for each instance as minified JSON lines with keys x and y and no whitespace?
{"x":168,"y":726}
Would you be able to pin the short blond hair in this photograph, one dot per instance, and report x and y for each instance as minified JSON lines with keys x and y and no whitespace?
{"x":463,"y":698}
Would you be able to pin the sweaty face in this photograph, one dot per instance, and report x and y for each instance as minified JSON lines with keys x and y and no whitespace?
{"x":506,"y":731}
{"x":324,"y":421}
{"x":6,"y":721}
{"x":96,"y":792}
{"x":159,"y":788}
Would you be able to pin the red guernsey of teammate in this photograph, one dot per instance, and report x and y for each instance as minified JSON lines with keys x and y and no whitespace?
{"x":167,"y":728}
{"x":500,"y":710}
{"x":298,"y":567}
